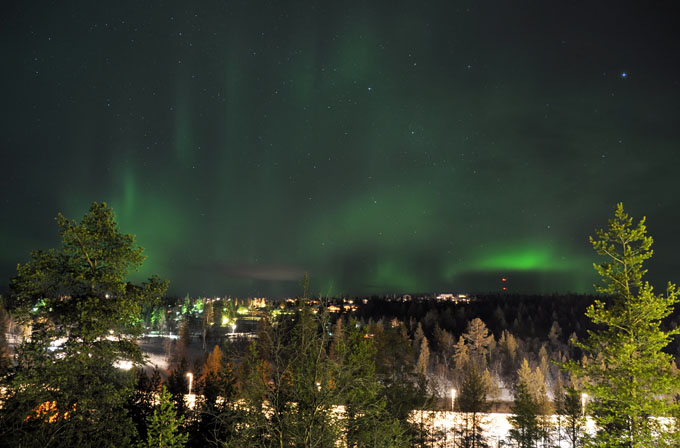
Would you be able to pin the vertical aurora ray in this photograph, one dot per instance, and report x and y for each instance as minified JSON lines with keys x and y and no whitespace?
{"x":183,"y":140}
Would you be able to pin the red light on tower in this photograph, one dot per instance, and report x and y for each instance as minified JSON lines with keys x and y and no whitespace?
{"x":504,"y":279}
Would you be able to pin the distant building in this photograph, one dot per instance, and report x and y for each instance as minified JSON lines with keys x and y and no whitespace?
{"x":455,"y":298}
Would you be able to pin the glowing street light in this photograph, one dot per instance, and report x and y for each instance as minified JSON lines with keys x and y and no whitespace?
{"x":453,"y":399}
{"x":584,"y":397}
{"x":191,"y":380}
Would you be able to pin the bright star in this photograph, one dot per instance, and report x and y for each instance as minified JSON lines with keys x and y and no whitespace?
{"x":624,"y":74}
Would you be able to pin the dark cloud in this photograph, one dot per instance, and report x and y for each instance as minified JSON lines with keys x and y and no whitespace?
{"x":262,"y":272}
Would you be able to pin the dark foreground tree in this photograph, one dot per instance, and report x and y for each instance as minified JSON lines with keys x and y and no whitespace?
{"x":525,"y":431}
{"x":164,"y":426}
{"x":571,"y":409}
{"x":178,"y":386}
{"x":142,"y":402}
{"x":628,"y":376}
{"x":472,"y":402}
{"x":65,"y":388}
{"x":404,"y":388}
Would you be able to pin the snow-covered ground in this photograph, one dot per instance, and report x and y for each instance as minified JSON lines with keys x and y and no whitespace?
{"x":495,"y":426}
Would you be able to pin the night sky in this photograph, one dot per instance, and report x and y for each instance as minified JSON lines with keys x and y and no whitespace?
{"x":383,"y":147}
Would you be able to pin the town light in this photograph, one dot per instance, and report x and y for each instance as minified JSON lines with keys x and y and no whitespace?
{"x":191,"y":380}
{"x":453,"y":399}
{"x":584,"y":397}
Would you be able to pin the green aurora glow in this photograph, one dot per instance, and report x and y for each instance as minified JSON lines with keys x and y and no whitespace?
{"x":383,"y":147}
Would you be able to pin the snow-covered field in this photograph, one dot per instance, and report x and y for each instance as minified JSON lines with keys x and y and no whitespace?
{"x":495,"y":426}
{"x":155,"y":348}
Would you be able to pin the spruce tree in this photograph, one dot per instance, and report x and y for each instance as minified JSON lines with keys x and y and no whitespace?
{"x":558,"y":394}
{"x":141,"y":404}
{"x":525,"y":431}
{"x":571,"y":408}
{"x":178,"y":386}
{"x":473,"y":403}
{"x":404,"y":388}
{"x":628,"y":376}
{"x":164,"y":426}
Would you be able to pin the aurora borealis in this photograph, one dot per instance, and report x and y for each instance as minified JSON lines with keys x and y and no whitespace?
{"x":383,"y":147}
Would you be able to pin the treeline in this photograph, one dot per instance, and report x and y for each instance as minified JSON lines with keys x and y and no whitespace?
{"x":526,"y":316}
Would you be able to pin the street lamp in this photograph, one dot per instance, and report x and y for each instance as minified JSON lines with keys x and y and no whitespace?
{"x":584,"y":397}
{"x":453,"y":399}
{"x":191,"y":379}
